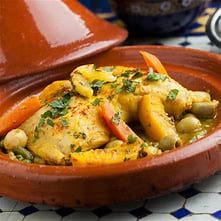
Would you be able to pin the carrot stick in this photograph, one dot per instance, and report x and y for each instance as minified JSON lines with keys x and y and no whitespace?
{"x":153,"y":62}
{"x":120,"y":129}
{"x":18,"y":114}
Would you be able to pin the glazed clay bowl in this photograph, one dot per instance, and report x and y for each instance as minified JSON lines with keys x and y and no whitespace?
{"x":131,"y":180}
{"x":41,"y":35}
{"x":158,"y":17}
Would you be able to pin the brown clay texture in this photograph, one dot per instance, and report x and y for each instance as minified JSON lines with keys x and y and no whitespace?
{"x":39,"y":35}
{"x":131,"y":180}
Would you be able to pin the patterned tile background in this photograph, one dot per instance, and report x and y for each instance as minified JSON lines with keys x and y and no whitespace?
{"x":200,"y":202}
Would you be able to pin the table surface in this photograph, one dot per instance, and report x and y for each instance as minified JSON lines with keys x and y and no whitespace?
{"x":200,"y":202}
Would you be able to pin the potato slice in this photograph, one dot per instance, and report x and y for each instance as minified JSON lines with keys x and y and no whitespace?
{"x":49,"y":153}
{"x":90,"y":73}
{"x":81,"y":85}
{"x":105,"y":156}
{"x":155,"y":120}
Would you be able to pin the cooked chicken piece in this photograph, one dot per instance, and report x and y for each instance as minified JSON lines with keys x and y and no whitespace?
{"x":84,"y":130}
{"x":53,"y":89}
{"x":66,"y":127}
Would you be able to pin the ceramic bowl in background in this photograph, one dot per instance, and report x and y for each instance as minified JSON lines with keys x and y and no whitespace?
{"x":158,"y":17}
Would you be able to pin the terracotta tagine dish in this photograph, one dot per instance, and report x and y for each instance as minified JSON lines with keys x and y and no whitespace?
{"x":40,"y":35}
{"x":122,"y":182}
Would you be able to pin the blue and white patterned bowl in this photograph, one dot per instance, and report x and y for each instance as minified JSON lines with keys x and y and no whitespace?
{"x":158,"y":16}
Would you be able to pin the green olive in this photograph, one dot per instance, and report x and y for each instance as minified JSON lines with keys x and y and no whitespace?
{"x":189,"y":115}
{"x":205,"y":109}
{"x":188,"y":124}
{"x":15,"y":138}
{"x":114,"y":144}
{"x":169,"y":142}
{"x":200,"y":96}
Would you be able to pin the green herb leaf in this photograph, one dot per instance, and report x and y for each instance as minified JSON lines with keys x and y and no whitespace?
{"x":131,"y":139}
{"x":63,"y":112}
{"x":78,"y":149}
{"x":36,"y":133}
{"x":58,"y":108}
{"x":116,"y":118}
{"x":57,"y":104}
{"x":46,"y":114}
{"x":115,"y":85}
{"x":50,"y":122}
{"x":96,"y":102}
{"x":172,"y":94}
{"x":128,"y":86}
{"x":64,"y":122}
{"x":137,"y":75}
{"x":96,"y":85}
{"x":66,"y":98}
{"x":155,"y":76}
{"x":55,"y":113}
{"x":126,"y":73}
{"x":119,"y":90}
{"x":41,"y":122}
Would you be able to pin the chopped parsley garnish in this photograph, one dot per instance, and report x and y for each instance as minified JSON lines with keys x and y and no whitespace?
{"x":172,"y":94}
{"x":78,"y":149}
{"x":115,"y":85}
{"x":64,"y":122}
{"x":96,"y":102}
{"x":131,"y":139}
{"x":96,"y":85}
{"x":41,"y":122}
{"x":50,"y":122}
{"x":137,"y":75}
{"x":58,"y":108}
{"x":126,"y":73}
{"x":155,"y":76}
{"x":57,"y":104}
{"x":36,"y":133}
{"x":128,"y":86}
{"x":46,"y":114}
{"x":116,"y":118}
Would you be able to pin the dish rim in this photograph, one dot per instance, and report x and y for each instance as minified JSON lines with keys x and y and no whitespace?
{"x":213,"y":139}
